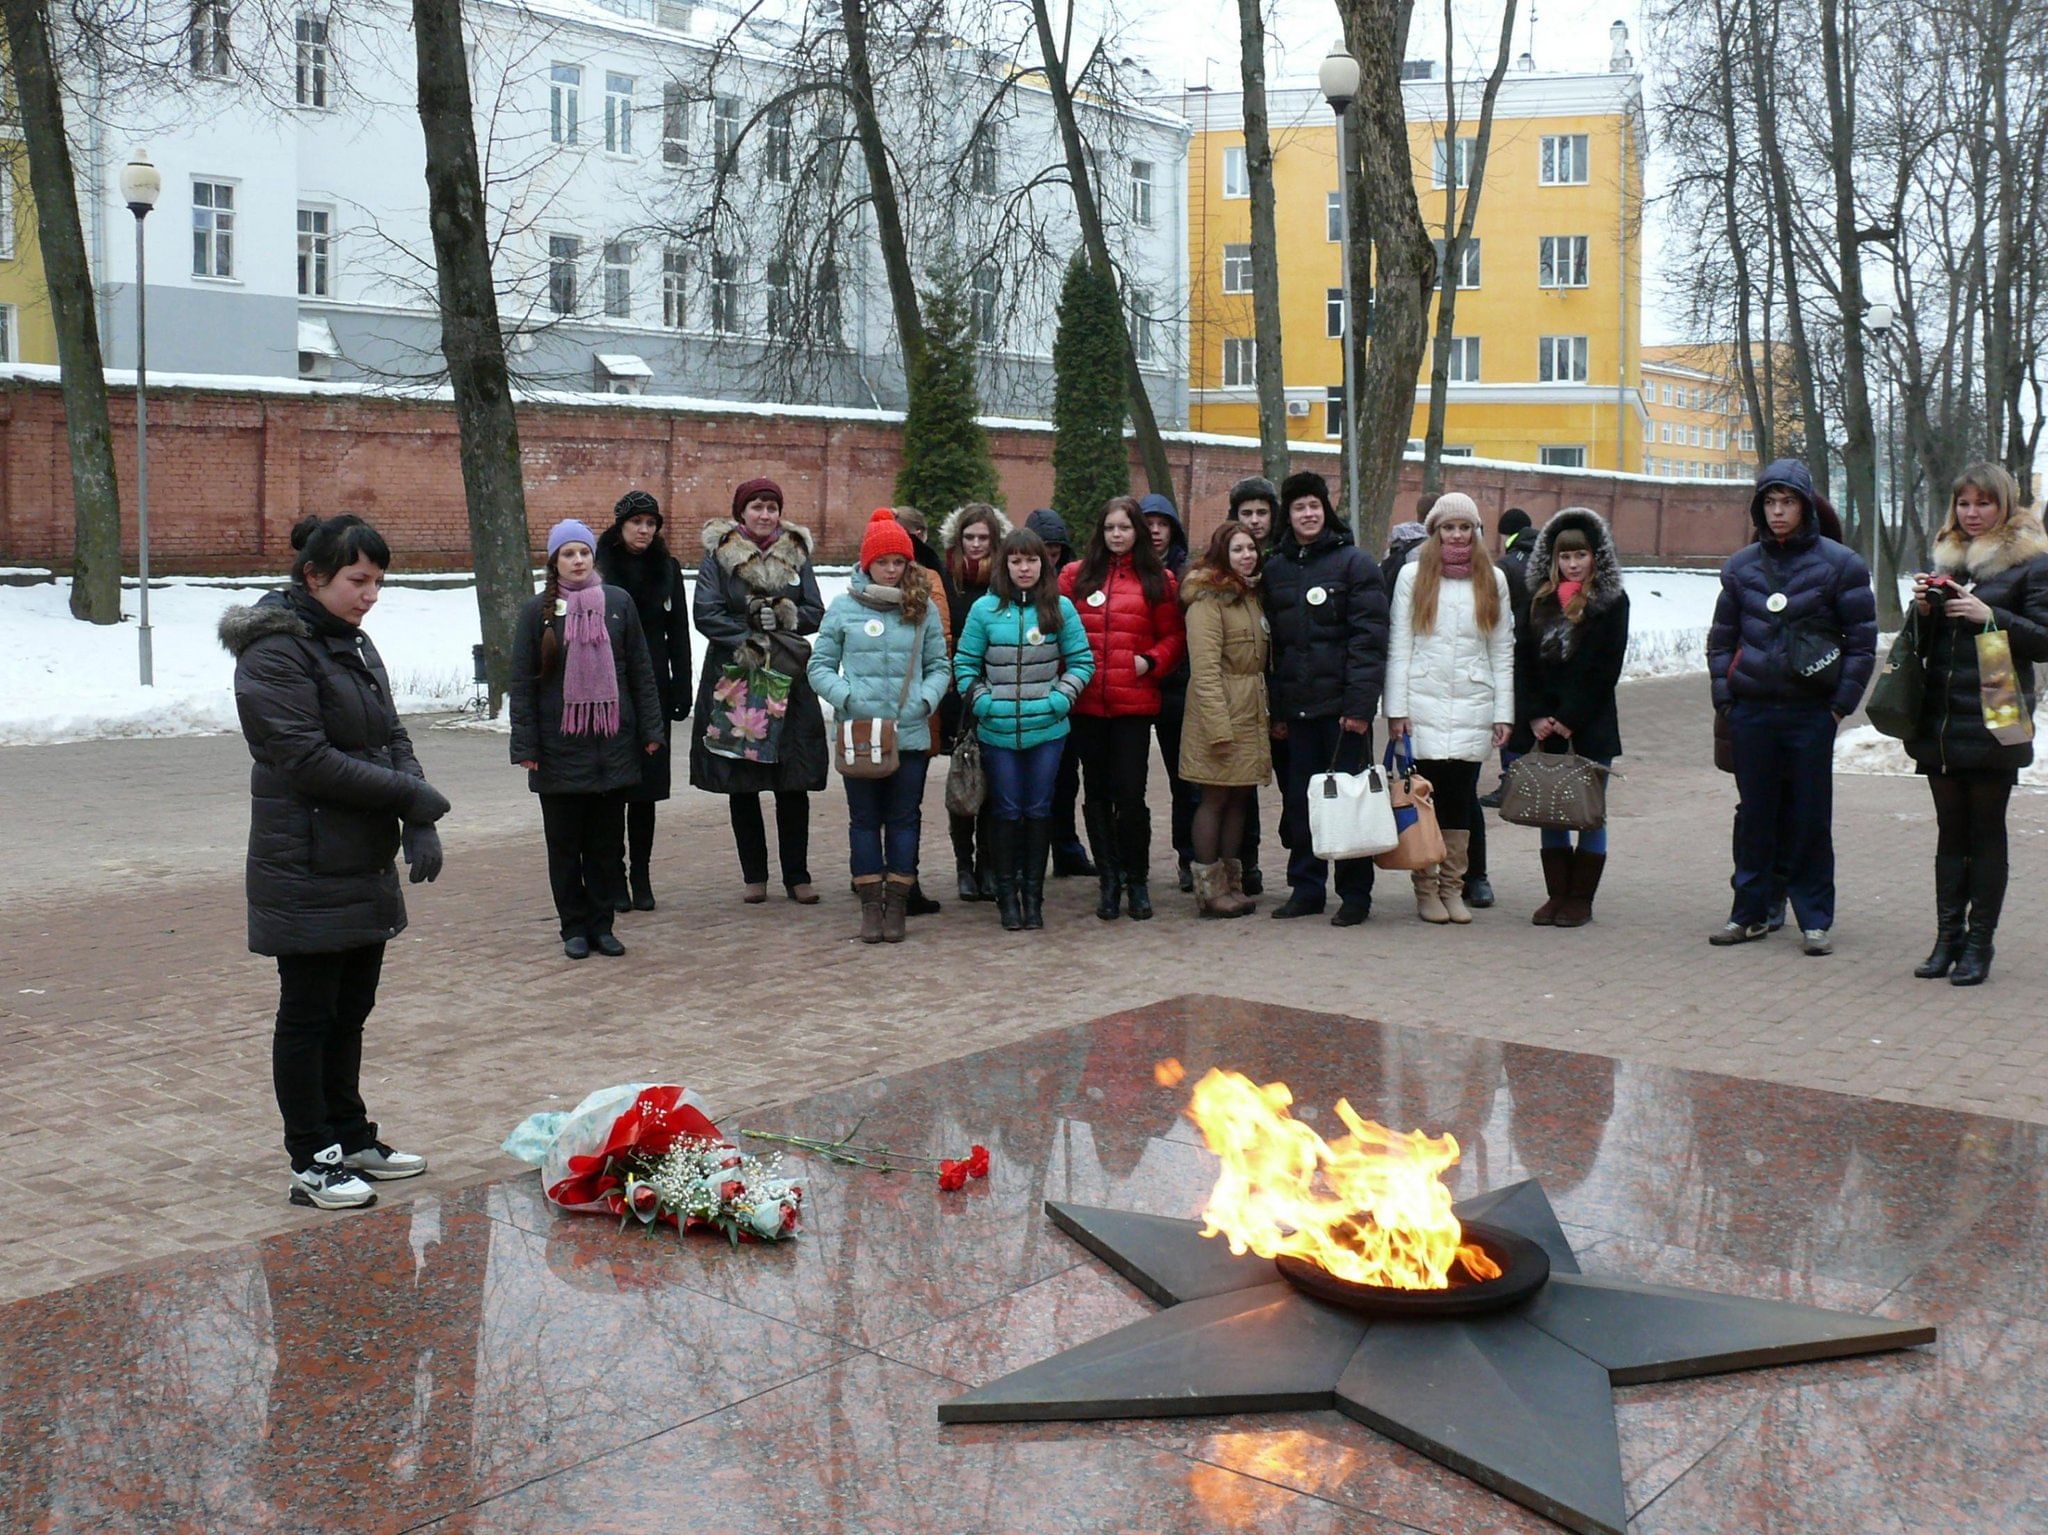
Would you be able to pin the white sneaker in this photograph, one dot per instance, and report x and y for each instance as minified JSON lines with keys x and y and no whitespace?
{"x":1817,"y":941}
{"x":328,"y":1185}
{"x":384,"y":1164}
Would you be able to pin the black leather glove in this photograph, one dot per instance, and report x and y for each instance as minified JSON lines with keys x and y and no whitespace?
{"x":422,"y":854}
{"x":427,"y":805}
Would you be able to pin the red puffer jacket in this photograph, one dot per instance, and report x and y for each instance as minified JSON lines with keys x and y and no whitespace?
{"x":1122,"y":626}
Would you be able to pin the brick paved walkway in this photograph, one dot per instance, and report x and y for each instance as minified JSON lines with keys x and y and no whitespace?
{"x":136,"y":1120}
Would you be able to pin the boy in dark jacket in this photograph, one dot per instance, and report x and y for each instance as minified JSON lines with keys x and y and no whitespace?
{"x":1791,"y":649}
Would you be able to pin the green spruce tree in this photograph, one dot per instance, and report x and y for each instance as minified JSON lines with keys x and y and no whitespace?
{"x":946,"y":460}
{"x":1090,"y":462}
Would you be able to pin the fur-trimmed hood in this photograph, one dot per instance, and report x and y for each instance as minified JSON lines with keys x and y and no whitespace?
{"x":771,"y":571}
{"x":949,"y":530}
{"x":240,"y":628}
{"x":1605,"y":587}
{"x":1205,"y":585}
{"x":2015,"y":541}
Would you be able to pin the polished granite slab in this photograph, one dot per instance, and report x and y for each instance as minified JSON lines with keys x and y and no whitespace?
{"x":474,"y":1363}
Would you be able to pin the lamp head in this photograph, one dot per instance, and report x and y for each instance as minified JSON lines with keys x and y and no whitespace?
{"x":1879,"y":318}
{"x":1338,"y":77}
{"x":141,"y":184}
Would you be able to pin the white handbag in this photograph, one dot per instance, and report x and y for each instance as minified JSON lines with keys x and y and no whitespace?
{"x":1351,"y":815}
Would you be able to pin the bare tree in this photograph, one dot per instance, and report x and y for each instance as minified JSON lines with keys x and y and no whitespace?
{"x":1268,"y":362}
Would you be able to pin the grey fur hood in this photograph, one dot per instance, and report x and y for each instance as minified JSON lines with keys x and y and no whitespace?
{"x":1606,"y":586}
{"x":769,"y":571}
{"x":242,"y":627}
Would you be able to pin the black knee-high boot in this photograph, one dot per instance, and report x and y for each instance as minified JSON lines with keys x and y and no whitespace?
{"x":640,"y":851}
{"x":1003,"y":857}
{"x":1987,"y":899}
{"x":1037,"y":841}
{"x":1108,"y":867}
{"x":1951,"y":902}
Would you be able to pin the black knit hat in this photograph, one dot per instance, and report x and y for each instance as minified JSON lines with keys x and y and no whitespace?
{"x":1512,"y":521}
{"x":1257,"y":488}
{"x":638,"y":503}
{"x":1305,"y":482}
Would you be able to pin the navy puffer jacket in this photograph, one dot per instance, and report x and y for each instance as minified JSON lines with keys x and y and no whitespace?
{"x":1820,"y":579}
{"x":1328,"y":612}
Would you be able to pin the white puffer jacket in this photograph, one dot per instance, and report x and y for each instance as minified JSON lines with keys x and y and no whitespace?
{"x":1454,"y":684}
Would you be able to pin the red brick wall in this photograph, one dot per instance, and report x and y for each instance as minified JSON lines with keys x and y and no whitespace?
{"x":231,"y":471}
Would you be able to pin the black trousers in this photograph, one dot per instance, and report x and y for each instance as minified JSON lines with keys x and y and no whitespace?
{"x":792,"y":836}
{"x":1116,"y":759}
{"x":583,"y":833}
{"x":1456,"y":786}
{"x":1785,"y":772}
{"x":1185,"y":796}
{"x":316,"y":1054}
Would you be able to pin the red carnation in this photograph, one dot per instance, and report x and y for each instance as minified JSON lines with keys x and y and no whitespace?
{"x":646,"y":1201}
{"x":731,"y":1190}
{"x":952,"y":1175}
{"x":977,"y":1161}
{"x":789,"y":1217}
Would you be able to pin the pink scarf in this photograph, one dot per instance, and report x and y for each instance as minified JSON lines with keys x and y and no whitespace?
{"x":590,"y":682}
{"x":1458,"y":562}
{"x":1566,"y":590}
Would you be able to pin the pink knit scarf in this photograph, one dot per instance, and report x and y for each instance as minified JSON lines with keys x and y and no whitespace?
{"x":1458,"y":562}
{"x":590,"y":682}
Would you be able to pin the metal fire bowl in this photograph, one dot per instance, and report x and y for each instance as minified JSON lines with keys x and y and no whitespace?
{"x":1524,"y":1269}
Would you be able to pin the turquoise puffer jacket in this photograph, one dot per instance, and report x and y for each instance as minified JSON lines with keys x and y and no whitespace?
{"x":1020,"y":683}
{"x":859,"y":658}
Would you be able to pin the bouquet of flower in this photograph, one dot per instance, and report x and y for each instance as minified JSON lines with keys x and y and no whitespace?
{"x":652,"y":1154}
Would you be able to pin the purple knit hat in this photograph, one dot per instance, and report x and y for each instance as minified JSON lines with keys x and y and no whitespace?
{"x":570,"y":531}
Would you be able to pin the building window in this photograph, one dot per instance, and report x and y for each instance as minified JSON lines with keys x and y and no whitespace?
{"x":1649,"y":431}
{"x":1664,"y":433}
{"x":564,"y":251}
{"x":675,"y":124}
{"x":1333,"y":411}
{"x":213,"y":229}
{"x":1333,"y":217}
{"x":725,"y":130}
{"x":316,"y":237}
{"x":1237,"y":178}
{"x":1564,"y":160}
{"x":6,"y":212}
{"x":984,"y":163}
{"x":1564,"y":458}
{"x":674,"y":274}
{"x":618,"y":280}
{"x":779,"y":148}
{"x":1721,"y":439}
{"x":1464,"y":359}
{"x":618,"y":114}
{"x":1561,"y":359}
{"x":210,"y":51}
{"x":1561,"y":261}
{"x":1237,"y":269}
{"x":1667,"y":394}
{"x":1462,"y":450}
{"x":565,"y":102}
{"x":981,"y":297}
{"x":725,"y":295}
{"x":1141,"y":193}
{"x":1439,"y":157}
{"x":1144,"y":329}
{"x":1333,"y":313}
{"x":781,"y":317}
{"x":313,"y":61}
{"x":826,"y":324}
{"x":7,"y":347}
{"x":1240,"y":361}
{"x":1468,"y":258}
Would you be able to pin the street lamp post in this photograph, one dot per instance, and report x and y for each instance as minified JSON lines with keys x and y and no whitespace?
{"x":1338,"y":78}
{"x":140,"y":185}
{"x":1879,"y":320}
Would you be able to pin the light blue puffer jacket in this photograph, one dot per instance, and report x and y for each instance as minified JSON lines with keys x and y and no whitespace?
{"x":859,"y":658}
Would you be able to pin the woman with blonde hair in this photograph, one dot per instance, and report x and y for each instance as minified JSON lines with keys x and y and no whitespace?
{"x":1450,"y":683}
{"x":1990,"y":575}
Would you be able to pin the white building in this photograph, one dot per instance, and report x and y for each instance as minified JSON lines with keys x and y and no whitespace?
{"x":291,"y":237}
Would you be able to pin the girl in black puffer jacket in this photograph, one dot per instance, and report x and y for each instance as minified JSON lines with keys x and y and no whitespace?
{"x":335,"y":792}
{"x":1990,"y":572}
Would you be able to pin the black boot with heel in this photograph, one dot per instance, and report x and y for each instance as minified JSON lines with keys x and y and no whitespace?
{"x":1951,"y":900}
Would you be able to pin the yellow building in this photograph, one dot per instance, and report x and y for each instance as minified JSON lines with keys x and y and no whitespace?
{"x":1696,"y":425}
{"x":1546,"y":366}
{"x":27,"y":333}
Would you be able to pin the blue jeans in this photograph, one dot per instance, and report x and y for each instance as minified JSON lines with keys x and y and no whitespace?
{"x":1784,"y":769}
{"x":1555,"y":838}
{"x":1020,"y":783}
{"x":886,"y":808}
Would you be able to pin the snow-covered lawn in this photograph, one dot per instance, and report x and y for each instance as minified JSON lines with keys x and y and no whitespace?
{"x":1863,"y":750}
{"x":67,"y":681}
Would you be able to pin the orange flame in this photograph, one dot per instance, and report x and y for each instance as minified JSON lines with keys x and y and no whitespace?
{"x":1167,"y":1073}
{"x":1371,"y":1208}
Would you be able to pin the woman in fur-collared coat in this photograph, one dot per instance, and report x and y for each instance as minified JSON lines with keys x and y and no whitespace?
{"x":757,"y":596}
{"x":1990,"y":573}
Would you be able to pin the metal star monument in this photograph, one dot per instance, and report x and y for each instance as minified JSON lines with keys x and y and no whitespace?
{"x":1518,"y":1400}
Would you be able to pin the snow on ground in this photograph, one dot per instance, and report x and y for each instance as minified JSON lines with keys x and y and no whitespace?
{"x":1863,"y":750}
{"x":68,"y":681}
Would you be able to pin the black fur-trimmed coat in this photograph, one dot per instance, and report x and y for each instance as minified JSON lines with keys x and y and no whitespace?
{"x":1570,"y":671}
{"x":2008,"y":569}
{"x":736,"y":583}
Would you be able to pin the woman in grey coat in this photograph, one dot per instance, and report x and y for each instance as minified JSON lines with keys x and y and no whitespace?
{"x":335,"y":792}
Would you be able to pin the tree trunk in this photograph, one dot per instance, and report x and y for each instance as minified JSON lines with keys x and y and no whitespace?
{"x":1387,"y":361}
{"x":471,"y":341}
{"x":1732,"y":206}
{"x":1458,"y":231}
{"x":874,"y":150}
{"x":1258,"y":156}
{"x":1763,"y":58}
{"x":95,"y":497}
{"x":1144,"y":421}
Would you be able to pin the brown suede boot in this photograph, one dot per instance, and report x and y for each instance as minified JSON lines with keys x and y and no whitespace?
{"x":1233,"y":873}
{"x":1212,"y":892}
{"x":869,"y":888}
{"x":1557,"y":884}
{"x":1429,"y":903}
{"x":895,"y":905}
{"x":1576,"y":909}
{"x":1450,"y":881}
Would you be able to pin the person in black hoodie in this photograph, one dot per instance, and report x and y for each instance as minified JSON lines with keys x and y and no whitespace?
{"x":1170,"y":543}
{"x":632,"y":556}
{"x":1328,"y":613}
{"x":1069,"y":853}
{"x":1788,"y":602}
{"x":335,"y":793}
